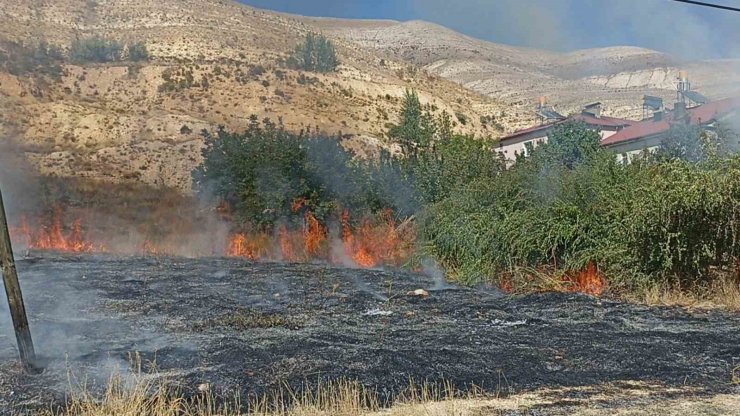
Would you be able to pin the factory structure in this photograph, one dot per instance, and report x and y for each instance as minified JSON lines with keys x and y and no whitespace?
{"x":626,"y":138}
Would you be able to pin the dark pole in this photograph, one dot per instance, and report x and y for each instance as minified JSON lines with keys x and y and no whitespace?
{"x":15,"y":297}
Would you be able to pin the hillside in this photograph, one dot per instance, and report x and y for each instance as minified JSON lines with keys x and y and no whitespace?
{"x":212,"y":62}
{"x":616,"y":76}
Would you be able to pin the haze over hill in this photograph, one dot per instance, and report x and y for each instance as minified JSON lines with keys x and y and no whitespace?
{"x":142,"y":121}
{"x":617,"y":76}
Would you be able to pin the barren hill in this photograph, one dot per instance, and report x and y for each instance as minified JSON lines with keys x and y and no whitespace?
{"x":212,"y":62}
{"x":616,"y":76}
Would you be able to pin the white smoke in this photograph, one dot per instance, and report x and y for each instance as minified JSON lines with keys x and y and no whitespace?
{"x":682,"y":30}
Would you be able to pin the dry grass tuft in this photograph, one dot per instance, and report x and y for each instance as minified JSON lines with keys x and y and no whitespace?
{"x":349,"y":398}
{"x":723,"y":293}
{"x":139,"y":395}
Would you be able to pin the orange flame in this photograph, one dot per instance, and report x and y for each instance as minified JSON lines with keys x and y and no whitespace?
{"x":54,"y":236}
{"x":252,"y":247}
{"x":287,"y":247}
{"x":314,"y":235}
{"x":588,"y":281}
{"x":375,"y":244}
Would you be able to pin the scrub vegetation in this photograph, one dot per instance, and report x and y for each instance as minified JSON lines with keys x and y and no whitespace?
{"x":667,"y":220}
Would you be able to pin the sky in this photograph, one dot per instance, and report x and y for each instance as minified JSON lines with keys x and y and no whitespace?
{"x":683,"y":30}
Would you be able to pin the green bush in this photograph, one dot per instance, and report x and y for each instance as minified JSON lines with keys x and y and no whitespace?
{"x":571,"y":203}
{"x":95,"y":49}
{"x":263,"y":170}
{"x":40,"y":59}
{"x":315,"y":54}
{"x":138,"y":52}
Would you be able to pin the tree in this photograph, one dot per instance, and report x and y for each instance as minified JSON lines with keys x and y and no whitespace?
{"x":138,"y":52}
{"x":95,"y":49}
{"x":416,"y":129}
{"x":261,"y":172}
{"x":315,"y":54}
{"x":684,"y":142}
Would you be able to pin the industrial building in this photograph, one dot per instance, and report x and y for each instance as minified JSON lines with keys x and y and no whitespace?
{"x":627,"y":138}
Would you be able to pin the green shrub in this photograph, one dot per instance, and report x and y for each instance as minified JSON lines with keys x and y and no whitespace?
{"x":315,"y":54}
{"x":571,"y":203}
{"x":40,"y":59}
{"x":263,"y":170}
{"x":138,"y":52}
{"x":95,"y":49}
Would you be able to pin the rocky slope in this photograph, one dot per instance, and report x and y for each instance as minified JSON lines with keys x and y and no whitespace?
{"x":141,"y":121}
{"x":616,"y":76}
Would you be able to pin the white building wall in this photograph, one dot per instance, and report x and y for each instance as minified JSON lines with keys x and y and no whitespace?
{"x":511,"y":150}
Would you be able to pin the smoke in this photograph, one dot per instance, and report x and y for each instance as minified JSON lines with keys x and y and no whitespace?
{"x":18,"y":185}
{"x":433,"y":270}
{"x":682,"y":30}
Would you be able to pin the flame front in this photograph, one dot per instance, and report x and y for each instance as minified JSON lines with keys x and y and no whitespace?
{"x":372,"y":241}
{"x":52,"y":235}
{"x":373,"y":244}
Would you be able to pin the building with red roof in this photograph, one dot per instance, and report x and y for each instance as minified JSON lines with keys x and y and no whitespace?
{"x":518,"y":142}
{"x":626,"y":138}
{"x":648,"y":134}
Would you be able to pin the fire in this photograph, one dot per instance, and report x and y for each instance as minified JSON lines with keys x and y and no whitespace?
{"x":375,"y":244}
{"x":588,"y":281}
{"x":53,"y":235}
{"x":252,"y":247}
{"x":371,"y":242}
{"x":314,"y":235}
{"x":287,"y":245}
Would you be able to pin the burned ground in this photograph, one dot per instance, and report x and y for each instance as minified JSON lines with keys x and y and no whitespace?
{"x":252,"y":326}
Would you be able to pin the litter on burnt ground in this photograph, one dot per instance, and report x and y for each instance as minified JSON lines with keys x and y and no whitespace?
{"x":237,"y":325}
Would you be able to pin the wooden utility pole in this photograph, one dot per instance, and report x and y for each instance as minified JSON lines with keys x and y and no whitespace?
{"x":15,"y":297}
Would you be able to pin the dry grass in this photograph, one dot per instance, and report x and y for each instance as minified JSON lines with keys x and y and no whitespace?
{"x":140,"y":396}
{"x":723,"y":293}
{"x":143,"y":395}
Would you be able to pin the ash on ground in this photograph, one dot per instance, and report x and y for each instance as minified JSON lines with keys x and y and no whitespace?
{"x":237,"y":325}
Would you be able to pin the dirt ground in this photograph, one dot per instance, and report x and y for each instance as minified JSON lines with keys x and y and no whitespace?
{"x":237,"y":325}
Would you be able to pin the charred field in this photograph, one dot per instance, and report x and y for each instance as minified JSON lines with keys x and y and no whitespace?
{"x":239,"y":325}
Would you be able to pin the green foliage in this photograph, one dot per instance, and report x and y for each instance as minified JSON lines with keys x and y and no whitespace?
{"x":315,"y":54}
{"x":95,"y":49}
{"x":571,"y":203}
{"x":264,"y":170}
{"x":416,"y":129}
{"x":437,"y":160}
{"x":40,"y":59}
{"x":138,"y":52}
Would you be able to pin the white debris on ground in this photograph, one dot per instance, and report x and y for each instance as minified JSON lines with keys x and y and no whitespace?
{"x":499,"y":322}
{"x":378,"y":312}
{"x":419,"y":293}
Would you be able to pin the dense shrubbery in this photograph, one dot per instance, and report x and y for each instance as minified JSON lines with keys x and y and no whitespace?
{"x":315,"y":54}
{"x":137,"y":52}
{"x":43,"y":58}
{"x":95,"y":49}
{"x":669,"y":216}
{"x":102,"y":50}
{"x":571,"y":204}
{"x":262,"y":172}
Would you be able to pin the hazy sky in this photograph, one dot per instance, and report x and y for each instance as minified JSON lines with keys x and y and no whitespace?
{"x":681,"y":29}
